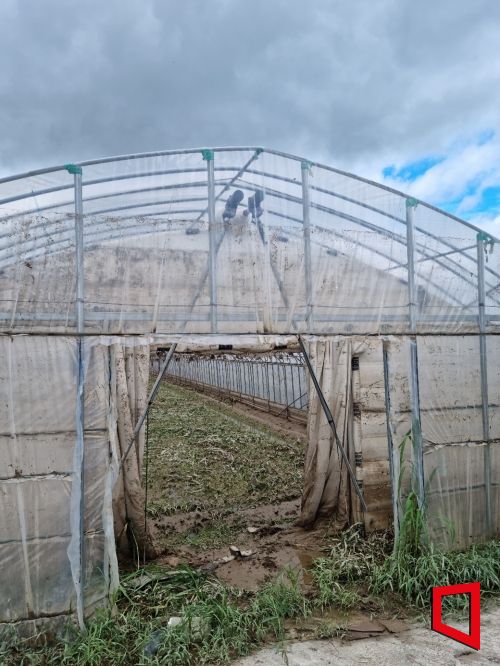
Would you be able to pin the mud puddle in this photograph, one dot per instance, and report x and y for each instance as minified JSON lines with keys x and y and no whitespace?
{"x":266,"y":538}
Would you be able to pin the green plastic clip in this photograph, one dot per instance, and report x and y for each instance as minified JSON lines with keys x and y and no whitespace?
{"x":411,"y":203}
{"x":73,"y":168}
{"x":258,"y":151}
{"x":483,"y":236}
{"x":207,"y":154}
{"x":305,"y":165}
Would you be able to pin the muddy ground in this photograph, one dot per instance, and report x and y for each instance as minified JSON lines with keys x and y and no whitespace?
{"x":224,"y":484}
{"x":224,"y":487}
{"x":266,"y":539}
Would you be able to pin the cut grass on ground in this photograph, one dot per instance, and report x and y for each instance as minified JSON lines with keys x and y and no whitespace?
{"x":203,"y":457}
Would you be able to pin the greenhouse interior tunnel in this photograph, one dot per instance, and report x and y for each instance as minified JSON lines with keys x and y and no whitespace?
{"x":394,"y":304}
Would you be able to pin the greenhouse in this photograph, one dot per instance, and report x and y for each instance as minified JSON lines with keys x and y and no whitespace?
{"x":394,"y":305}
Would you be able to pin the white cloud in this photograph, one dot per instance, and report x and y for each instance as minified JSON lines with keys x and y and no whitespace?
{"x":490,"y":224}
{"x":462,"y":176}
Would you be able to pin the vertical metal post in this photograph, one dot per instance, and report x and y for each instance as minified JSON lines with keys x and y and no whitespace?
{"x":306,"y":220}
{"x":76,"y":171}
{"x":416,"y":429}
{"x":208,"y":156}
{"x":411,"y":204}
{"x":393,"y":455}
{"x":482,"y":239}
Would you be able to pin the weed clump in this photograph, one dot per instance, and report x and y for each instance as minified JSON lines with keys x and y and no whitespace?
{"x":213,"y":623}
{"x":341,"y":576}
{"x":416,"y":565}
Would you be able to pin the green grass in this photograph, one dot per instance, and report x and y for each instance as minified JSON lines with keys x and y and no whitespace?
{"x":216,"y":623}
{"x":364,"y":572}
{"x":203,"y":457}
{"x":416,"y":565}
{"x":341,"y":577}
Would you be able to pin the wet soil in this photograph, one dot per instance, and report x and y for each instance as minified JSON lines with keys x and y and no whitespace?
{"x":266,"y":536}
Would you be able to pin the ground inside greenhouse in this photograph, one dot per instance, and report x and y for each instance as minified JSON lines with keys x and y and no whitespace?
{"x":223,"y":488}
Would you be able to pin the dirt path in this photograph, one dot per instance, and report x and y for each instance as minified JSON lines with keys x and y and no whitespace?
{"x":417,"y":645}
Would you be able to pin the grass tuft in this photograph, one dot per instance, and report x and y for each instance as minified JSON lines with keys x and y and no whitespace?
{"x":417,"y":565}
{"x":349,"y":564}
{"x":215,"y":623}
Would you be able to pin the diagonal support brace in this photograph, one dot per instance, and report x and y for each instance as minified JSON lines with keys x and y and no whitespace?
{"x":332,"y":425}
{"x":151,"y":398}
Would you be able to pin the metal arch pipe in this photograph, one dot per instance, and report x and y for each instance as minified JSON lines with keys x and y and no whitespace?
{"x":63,"y":243}
{"x":108,"y":195}
{"x":289,"y":156}
{"x":385,"y":214}
{"x":374,"y":228}
{"x":122,"y":158}
{"x":355,"y":220}
{"x":67,"y":243}
{"x":111,"y":179}
{"x":281,"y":178}
{"x":383,"y":232}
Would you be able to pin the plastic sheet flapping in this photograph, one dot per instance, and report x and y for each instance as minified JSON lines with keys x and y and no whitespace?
{"x":323,"y":253}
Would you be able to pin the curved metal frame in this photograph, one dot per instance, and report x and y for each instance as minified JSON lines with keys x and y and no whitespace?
{"x":444,"y":259}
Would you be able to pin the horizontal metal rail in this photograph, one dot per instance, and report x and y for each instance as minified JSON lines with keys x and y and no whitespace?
{"x":274,"y":382}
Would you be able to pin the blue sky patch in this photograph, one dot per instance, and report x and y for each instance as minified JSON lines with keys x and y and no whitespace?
{"x":490,"y":201}
{"x":411,"y":171}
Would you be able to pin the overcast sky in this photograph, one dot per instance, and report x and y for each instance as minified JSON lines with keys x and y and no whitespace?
{"x":402,"y":91}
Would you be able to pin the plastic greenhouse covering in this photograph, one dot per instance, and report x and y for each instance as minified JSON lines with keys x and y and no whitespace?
{"x":120,"y":254}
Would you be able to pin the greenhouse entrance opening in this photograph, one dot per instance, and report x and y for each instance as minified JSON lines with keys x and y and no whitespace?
{"x":224,"y":462}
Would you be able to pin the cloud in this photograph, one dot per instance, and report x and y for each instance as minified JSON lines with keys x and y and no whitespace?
{"x":360,"y":85}
{"x":466,"y":181}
